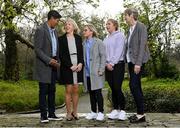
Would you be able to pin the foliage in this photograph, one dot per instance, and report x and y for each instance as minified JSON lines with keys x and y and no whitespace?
{"x":23,"y":95}
{"x":99,"y":24}
{"x":159,"y":17}
{"x":160,"y":95}
{"x":167,"y":70}
{"x":17,"y":13}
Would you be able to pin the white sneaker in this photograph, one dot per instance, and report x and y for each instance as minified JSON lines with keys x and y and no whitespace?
{"x":114,"y":114}
{"x":91,"y":116}
{"x":100,"y":116}
{"x":122,"y":115}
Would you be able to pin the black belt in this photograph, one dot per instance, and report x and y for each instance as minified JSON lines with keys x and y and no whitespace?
{"x":121,"y":61}
{"x":73,"y":54}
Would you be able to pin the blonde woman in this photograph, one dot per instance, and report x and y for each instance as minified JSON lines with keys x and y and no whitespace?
{"x":71,"y":56}
{"x":94,"y":58}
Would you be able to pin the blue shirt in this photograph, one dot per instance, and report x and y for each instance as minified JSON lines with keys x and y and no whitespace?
{"x":89,"y":43}
{"x":54,"y":41}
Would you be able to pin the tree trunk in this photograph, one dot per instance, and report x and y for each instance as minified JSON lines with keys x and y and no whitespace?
{"x":11,"y":57}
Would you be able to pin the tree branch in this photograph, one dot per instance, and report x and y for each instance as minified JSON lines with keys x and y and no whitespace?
{"x":24,"y":41}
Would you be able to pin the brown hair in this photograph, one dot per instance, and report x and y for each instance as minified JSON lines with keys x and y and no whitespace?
{"x":115,"y":23}
{"x":132,"y":11}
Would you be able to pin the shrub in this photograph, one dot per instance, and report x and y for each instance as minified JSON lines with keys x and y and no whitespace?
{"x":167,"y":69}
{"x":160,"y":95}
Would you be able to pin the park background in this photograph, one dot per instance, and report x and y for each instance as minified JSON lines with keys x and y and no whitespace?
{"x":20,"y":18}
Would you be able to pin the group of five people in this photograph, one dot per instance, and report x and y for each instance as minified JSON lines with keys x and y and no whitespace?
{"x":90,"y":62}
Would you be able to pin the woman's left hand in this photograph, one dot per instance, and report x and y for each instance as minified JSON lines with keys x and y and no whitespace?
{"x":79,"y":67}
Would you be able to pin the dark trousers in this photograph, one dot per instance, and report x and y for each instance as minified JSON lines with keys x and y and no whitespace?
{"x":135,"y":87}
{"x":96,"y":98}
{"x":47,"y":91}
{"x":115,"y":79}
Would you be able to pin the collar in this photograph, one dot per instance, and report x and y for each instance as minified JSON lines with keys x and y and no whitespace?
{"x":113,"y":33}
{"x":132,"y":27}
{"x":89,"y":40}
{"x":50,"y":29}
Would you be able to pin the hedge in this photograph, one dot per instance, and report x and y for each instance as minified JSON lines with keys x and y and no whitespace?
{"x":160,"y":95}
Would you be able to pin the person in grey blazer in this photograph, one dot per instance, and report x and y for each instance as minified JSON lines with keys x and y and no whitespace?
{"x":137,"y":54}
{"x":46,"y":64}
{"x":94,"y":67}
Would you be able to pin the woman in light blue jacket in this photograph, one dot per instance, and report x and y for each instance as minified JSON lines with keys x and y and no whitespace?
{"x":94,"y":76}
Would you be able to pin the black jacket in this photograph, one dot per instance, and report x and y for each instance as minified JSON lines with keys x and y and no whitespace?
{"x":66,"y":73}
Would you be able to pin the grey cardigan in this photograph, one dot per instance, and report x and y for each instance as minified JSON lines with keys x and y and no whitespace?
{"x":97,"y":63}
{"x":138,"y":49}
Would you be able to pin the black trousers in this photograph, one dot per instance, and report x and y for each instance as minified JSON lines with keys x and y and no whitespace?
{"x":47,"y":91}
{"x":96,"y":98}
{"x":115,"y":79}
{"x":135,"y":87}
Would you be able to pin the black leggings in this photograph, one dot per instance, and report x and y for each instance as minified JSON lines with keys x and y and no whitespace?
{"x":96,"y":98}
{"x":115,"y":79}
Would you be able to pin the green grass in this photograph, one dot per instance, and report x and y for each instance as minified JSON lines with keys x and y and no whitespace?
{"x":23,"y":95}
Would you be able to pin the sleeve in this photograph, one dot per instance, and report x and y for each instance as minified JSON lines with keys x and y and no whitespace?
{"x":38,"y":46}
{"x":142,"y":43}
{"x":63,"y":55}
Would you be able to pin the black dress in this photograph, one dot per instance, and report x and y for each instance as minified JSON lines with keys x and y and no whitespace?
{"x":66,"y":74}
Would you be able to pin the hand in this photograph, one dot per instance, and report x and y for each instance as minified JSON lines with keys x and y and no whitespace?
{"x":57,"y":65}
{"x":73,"y":68}
{"x":109,"y":67}
{"x":79,"y":67}
{"x":137,"y":69}
{"x":53,"y":62}
{"x":100,"y":73}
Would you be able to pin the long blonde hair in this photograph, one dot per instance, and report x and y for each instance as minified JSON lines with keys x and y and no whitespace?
{"x":93,"y":29}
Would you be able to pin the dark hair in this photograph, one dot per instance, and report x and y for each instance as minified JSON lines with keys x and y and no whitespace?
{"x":115,"y":23}
{"x":132,"y":11}
{"x":54,"y":14}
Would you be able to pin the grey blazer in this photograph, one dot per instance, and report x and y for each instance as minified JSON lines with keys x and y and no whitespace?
{"x":43,"y":52}
{"x":97,"y":63}
{"x":138,"y":48}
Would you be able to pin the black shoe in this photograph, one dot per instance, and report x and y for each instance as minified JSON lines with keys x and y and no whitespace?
{"x":54,"y":117}
{"x":44,"y":120}
{"x":134,"y":119}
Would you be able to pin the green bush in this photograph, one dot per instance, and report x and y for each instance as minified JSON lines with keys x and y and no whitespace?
{"x":161,"y":95}
{"x":23,"y":95}
{"x":167,"y":69}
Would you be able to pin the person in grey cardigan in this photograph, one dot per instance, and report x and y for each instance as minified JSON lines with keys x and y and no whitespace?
{"x":94,"y":77}
{"x":137,"y":54}
{"x":46,"y":64}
